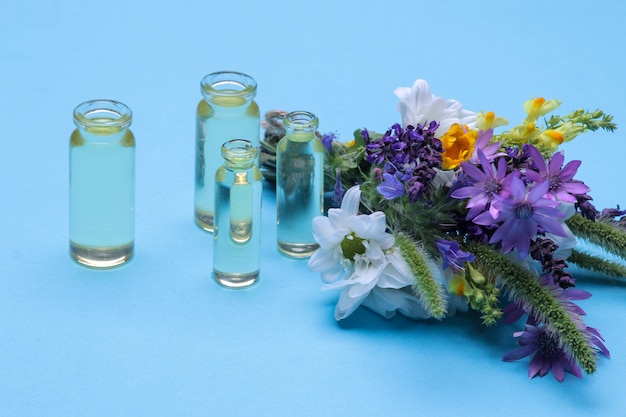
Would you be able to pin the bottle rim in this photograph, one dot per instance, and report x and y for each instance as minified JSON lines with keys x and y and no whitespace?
{"x":102,"y":113}
{"x":301,"y":120}
{"x":239,"y":151}
{"x":228,"y":84}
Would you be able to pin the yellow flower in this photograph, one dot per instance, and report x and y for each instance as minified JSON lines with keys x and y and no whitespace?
{"x":550,"y":140}
{"x":570,"y":130}
{"x":523,"y":133}
{"x":536,"y":107}
{"x":489,"y":120}
{"x":458,"y":145}
{"x":459,"y":286}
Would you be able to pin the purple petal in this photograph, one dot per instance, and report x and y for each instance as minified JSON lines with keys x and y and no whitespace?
{"x":536,"y":365}
{"x":473,"y":172}
{"x":556,"y":162}
{"x":519,"y":353}
{"x":569,"y":170}
{"x":557,"y":369}
{"x":538,"y":159}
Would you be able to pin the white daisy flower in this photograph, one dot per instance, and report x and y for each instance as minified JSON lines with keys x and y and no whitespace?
{"x":419,"y":105}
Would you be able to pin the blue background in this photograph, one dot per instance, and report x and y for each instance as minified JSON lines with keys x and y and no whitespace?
{"x":158,"y":337}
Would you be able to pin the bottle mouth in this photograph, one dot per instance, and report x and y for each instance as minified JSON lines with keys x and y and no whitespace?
{"x":239,"y":152}
{"x":228,"y":84}
{"x":102,"y":113}
{"x":300,"y":120}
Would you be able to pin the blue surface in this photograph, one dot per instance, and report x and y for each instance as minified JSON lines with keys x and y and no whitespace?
{"x":158,"y":337}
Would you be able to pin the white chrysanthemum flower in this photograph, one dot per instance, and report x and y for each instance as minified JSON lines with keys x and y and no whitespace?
{"x":419,"y":105}
{"x":392,"y":292}
{"x":352,"y":249}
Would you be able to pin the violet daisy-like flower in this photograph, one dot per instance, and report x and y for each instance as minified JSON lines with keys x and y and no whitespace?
{"x":547,"y":353}
{"x":563,"y":186}
{"x":520,"y":215}
{"x":490,"y":150}
{"x":487,"y":184}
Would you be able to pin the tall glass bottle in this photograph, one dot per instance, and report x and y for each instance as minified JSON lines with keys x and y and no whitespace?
{"x":237,"y":227}
{"x":299,"y":184}
{"x":226,"y":111}
{"x":102,"y":184}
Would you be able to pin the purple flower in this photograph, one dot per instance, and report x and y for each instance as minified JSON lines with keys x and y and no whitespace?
{"x":452,"y":254}
{"x":327,"y":141}
{"x":487,"y":184}
{"x":562,"y":185}
{"x":338,"y":191}
{"x":587,"y":210}
{"x":520,"y":215}
{"x":490,"y":150}
{"x":612,"y":212}
{"x":547,"y":353}
{"x":391,"y":187}
{"x":410,"y":154}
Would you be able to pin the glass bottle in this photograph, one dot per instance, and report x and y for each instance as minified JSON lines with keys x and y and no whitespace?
{"x":299,"y":184}
{"x":102,"y":184}
{"x":226,"y":111}
{"x":237,"y":227}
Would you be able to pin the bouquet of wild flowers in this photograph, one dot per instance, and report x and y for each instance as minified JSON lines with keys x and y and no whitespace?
{"x":441,"y":214}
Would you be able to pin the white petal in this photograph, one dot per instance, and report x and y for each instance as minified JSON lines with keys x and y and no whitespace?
{"x":346,"y":305}
{"x":323,"y":260}
{"x":325,"y":234}
{"x":386,"y":301}
{"x":351,"y":200}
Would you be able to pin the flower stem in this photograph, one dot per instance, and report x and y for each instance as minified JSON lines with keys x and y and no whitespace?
{"x":597,"y":264}
{"x":599,"y":233}
{"x":524,"y":286}
{"x":425,"y":287}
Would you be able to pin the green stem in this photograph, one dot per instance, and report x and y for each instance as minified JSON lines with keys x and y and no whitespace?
{"x":427,"y":289}
{"x":597,"y":264}
{"x":599,"y":233}
{"x":523,"y":285}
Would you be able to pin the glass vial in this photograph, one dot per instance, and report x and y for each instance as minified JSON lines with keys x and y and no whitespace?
{"x":226,"y":111}
{"x":102,"y":184}
{"x":299,"y":184}
{"x":237,"y":227}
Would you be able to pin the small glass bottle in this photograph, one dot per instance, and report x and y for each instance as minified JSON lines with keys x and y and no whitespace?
{"x":226,"y":111}
{"x":237,"y":227}
{"x":102,"y":184}
{"x":299,"y":184}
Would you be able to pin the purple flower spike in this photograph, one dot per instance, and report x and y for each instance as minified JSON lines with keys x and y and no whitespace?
{"x":339,"y":191}
{"x":391,"y":187}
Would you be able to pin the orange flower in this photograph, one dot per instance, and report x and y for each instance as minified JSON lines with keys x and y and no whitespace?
{"x":458,"y":145}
